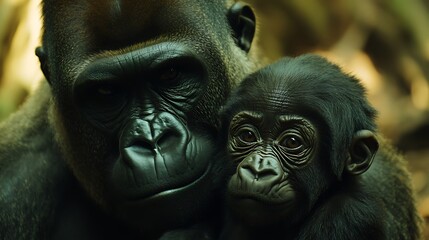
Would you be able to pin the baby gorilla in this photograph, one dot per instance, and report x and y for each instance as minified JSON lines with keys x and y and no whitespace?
{"x":302,"y":139}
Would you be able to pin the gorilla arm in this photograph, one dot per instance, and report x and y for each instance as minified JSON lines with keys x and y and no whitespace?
{"x":30,"y":166}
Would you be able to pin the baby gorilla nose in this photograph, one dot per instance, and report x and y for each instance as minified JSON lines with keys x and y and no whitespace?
{"x":260,"y":168}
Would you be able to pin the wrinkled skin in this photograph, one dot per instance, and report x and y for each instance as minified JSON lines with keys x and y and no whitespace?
{"x":267,"y":150}
{"x":301,"y":140}
{"x":132,"y":102}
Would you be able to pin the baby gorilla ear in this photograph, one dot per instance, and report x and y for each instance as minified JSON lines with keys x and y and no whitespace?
{"x":362,"y":151}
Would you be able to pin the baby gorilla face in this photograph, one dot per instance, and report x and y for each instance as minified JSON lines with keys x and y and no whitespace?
{"x":266,"y":150}
{"x":302,"y":136}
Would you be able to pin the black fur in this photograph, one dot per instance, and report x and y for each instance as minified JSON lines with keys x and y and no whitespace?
{"x":377,"y":203}
{"x":74,"y":159}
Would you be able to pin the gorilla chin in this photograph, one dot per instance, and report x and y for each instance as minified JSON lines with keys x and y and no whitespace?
{"x":150,"y":203}
{"x":154,"y":212}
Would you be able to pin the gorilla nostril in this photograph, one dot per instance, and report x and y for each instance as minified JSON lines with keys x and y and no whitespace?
{"x":250,"y":172}
{"x":266,"y":174}
{"x":144,"y":144}
{"x":134,"y":151}
{"x":168,"y":138}
{"x":247,"y":172}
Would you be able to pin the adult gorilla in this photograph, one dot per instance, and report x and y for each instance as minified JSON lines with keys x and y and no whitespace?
{"x":128,"y":118}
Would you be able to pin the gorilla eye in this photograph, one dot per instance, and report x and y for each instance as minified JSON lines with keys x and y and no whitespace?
{"x":247,"y":136}
{"x":105,"y":90}
{"x":292,"y":142}
{"x":104,"y":96}
{"x":169,"y":74}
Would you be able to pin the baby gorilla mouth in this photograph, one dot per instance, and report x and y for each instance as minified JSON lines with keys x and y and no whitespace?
{"x":267,"y":190}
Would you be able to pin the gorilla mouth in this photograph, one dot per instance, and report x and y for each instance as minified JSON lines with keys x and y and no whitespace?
{"x":157,"y":202}
{"x":265,"y":192}
{"x":172,"y":184}
{"x":259,"y":197}
{"x":171,"y":190}
{"x":151,"y":174}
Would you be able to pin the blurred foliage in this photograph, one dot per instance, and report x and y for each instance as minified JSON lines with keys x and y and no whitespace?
{"x":20,"y":24}
{"x":385,"y":43}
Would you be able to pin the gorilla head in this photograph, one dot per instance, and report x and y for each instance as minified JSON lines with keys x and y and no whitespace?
{"x":136,"y":89}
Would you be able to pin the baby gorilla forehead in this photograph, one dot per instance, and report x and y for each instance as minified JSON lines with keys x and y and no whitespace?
{"x":270,"y":101}
{"x":283,"y":95}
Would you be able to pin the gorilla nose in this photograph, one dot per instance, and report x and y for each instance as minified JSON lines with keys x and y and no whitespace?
{"x":258,"y":174}
{"x":258,"y":168}
{"x":154,"y":142}
{"x":157,"y":141}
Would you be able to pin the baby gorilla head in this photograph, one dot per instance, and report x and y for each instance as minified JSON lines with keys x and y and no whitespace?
{"x":300,"y":136}
{"x":267,"y":148}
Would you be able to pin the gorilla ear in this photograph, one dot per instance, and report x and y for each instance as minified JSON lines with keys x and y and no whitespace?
{"x":243,"y":23}
{"x":43,"y":59}
{"x":363,"y":149}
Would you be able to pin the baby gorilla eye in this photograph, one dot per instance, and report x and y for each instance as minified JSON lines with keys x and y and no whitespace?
{"x":292,"y":142}
{"x":247,"y":136}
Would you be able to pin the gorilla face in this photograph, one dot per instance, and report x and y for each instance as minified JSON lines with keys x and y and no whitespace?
{"x":140,"y":101}
{"x":137,"y":88}
{"x":269,"y":152}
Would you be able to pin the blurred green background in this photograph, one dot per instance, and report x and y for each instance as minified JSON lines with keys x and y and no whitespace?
{"x":385,"y":43}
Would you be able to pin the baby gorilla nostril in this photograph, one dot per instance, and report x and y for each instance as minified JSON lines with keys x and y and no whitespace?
{"x":265,"y":174}
{"x":250,"y":172}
